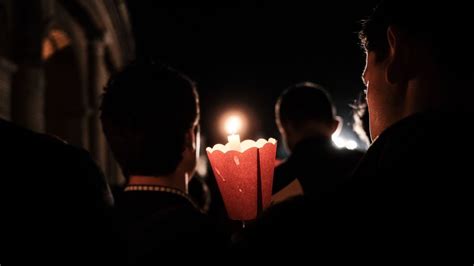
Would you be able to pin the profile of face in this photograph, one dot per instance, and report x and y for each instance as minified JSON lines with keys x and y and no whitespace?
{"x":373,"y":77}
{"x":386,"y":80}
{"x":382,"y":95}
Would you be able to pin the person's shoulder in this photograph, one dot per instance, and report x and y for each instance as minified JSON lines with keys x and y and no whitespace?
{"x":164,"y":207}
{"x":424,"y":132}
{"x":353,"y":155}
{"x":28,"y":153}
{"x":425,"y":143}
{"x":167,"y":221}
{"x":26,"y":140}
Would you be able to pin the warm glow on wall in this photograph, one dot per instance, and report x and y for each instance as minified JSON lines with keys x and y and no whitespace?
{"x":53,"y":42}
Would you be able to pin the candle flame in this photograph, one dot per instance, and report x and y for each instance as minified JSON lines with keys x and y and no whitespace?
{"x":233,"y":124}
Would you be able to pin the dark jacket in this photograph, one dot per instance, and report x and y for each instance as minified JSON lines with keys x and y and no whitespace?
{"x":155,"y":223}
{"x":318,"y":166}
{"x":415,"y":183}
{"x":55,"y":201}
{"x":303,"y":222}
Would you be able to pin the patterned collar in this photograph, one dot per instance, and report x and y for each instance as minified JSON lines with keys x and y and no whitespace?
{"x":165,"y":189}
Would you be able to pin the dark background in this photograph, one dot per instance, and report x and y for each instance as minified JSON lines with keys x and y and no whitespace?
{"x":243,"y":57}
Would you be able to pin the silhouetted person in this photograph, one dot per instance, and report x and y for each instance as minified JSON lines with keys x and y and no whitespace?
{"x":415,"y":183}
{"x":55,"y":202}
{"x":150,"y":116}
{"x":306,"y":119}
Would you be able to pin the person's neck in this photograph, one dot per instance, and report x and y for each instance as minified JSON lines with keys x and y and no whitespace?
{"x":174,"y":181}
{"x":432,"y":94}
{"x":314,"y":131}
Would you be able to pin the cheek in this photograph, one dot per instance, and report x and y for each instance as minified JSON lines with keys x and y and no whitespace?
{"x":375,"y":85}
{"x":379,"y":101}
{"x":371,"y":103}
{"x":374,"y":89}
{"x":371,"y":95}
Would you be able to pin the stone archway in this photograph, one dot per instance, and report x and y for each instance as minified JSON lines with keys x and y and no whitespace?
{"x":65,"y":106}
{"x":62,"y":53}
{"x":101,"y":43}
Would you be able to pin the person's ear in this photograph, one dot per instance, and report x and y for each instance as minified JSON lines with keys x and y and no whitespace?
{"x":336,"y":125}
{"x":190,"y":139}
{"x":190,"y":153}
{"x":397,"y":69}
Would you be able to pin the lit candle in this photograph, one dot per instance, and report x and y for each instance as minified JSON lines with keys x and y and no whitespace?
{"x":232,"y":125}
{"x":234,"y":142}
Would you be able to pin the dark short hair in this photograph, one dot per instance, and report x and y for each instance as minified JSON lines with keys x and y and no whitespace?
{"x":304,"y":102}
{"x":443,"y":27}
{"x":147,"y":109}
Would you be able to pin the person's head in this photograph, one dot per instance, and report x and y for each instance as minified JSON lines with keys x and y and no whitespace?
{"x":150,"y":116}
{"x":419,"y":57}
{"x":305,"y":110}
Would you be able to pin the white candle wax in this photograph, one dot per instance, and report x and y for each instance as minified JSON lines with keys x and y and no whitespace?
{"x":234,"y":142}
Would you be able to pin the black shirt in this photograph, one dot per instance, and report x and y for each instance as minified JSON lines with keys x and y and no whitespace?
{"x":154,"y":222}
{"x":318,"y":166}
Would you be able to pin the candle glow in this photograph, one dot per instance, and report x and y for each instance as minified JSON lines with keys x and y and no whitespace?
{"x":232,"y":125}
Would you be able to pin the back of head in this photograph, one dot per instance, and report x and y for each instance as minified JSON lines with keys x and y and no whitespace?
{"x":303,"y":103}
{"x":443,"y":29}
{"x":147,"y":109}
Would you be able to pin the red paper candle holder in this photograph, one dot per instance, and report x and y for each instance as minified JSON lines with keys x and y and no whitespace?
{"x":244,"y":177}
